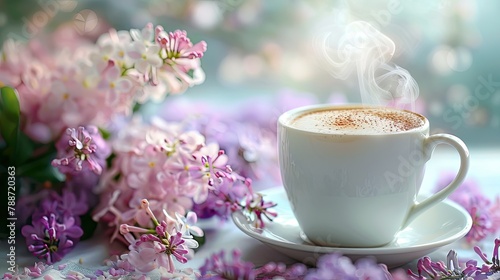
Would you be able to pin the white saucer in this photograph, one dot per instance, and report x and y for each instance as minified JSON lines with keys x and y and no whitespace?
{"x":439,"y":226}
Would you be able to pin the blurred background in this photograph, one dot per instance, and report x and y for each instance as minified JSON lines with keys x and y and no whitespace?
{"x":261,"y":49}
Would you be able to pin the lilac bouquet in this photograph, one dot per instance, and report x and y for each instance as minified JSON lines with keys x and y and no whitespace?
{"x":73,"y":141}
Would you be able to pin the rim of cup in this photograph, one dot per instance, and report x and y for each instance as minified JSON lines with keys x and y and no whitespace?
{"x":287,"y":117}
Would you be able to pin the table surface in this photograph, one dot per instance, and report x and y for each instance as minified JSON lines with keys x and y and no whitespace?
{"x":89,"y":254}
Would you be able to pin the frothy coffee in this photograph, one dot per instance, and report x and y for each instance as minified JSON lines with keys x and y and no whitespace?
{"x":358,"y":121}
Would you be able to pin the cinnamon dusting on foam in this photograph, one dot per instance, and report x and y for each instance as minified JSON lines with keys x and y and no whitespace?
{"x":358,"y":121}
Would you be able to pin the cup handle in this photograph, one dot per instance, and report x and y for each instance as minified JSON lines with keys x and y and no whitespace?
{"x":429,"y":144}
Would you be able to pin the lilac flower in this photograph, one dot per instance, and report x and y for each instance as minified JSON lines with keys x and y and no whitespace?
{"x":481,"y":221}
{"x":146,"y":58}
{"x":159,"y":247}
{"x":467,"y":190}
{"x":223,"y":200}
{"x":28,"y":203}
{"x":50,"y":240}
{"x":117,"y":268}
{"x":180,"y":57}
{"x":494,"y":211}
{"x":218,"y":267}
{"x":234,"y":193}
{"x":469,"y":195}
{"x":256,"y":205}
{"x":81,"y":148}
{"x":64,"y":207}
{"x":188,"y":224}
{"x":246,"y":133}
{"x":336,"y":266}
{"x":489,"y":267}
{"x":177,"y":45}
{"x":453,"y":270}
{"x":113,"y":83}
{"x":281,"y":271}
{"x":215,"y":168}
{"x":29,"y":272}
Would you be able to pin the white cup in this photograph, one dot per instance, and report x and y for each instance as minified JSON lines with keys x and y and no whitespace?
{"x":351,"y":190}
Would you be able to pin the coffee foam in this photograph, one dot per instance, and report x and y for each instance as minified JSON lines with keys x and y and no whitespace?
{"x":358,"y":121}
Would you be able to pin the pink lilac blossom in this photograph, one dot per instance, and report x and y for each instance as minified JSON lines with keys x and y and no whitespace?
{"x":274,"y":270}
{"x":222,"y":201}
{"x":119,"y":267}
{"x":495,"y":214}
{"x":218,"y":267}
{"x":104,"y":80}
{"x":485,"y":218}
{"x":140,"y":169}
{"x":255,"y":204}
{"x":151,"y":248}
{"x":79,"y":149}
{"x":246,"y":133}
{"x":180,"y":60}
{"x":35,"y":271}
{"x":174,"y":170}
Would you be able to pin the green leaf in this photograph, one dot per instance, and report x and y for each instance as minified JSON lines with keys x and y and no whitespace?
{"x":10,"y":114}
{"x":201,"y":241}
{"x":41,"y":170}
{"x":25,"y":148}
{"x":137,"y":107}
{"x":104,"y":133}
{"x":88,"y":225}
{"x":46,"y":173}
{"x":190,"y":73}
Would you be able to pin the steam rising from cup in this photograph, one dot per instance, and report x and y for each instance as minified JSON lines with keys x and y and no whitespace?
{"x":359,"y":46}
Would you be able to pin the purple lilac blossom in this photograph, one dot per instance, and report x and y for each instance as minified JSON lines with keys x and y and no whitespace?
{"x":246,"y":133}
{"x":480,"y":207}
{"x":223,"y":201}
{"x":281,"y":271}
{"x":452,"y":269}
{"x":470,"y":196}
{"x":28,"y":204}
{"x":64,"y":207}
{"x":337,"y":266}
{"x":218,"y":267}
{"x":47,"y":239}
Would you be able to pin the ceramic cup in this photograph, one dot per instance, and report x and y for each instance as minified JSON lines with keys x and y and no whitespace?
{"x":358,"y":190}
